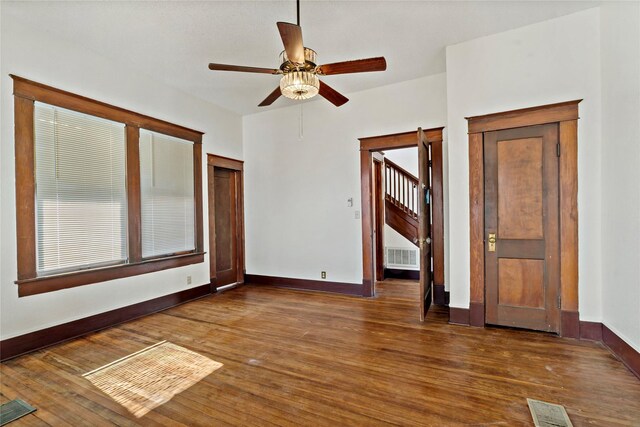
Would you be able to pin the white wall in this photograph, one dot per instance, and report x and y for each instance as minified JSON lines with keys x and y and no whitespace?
{"x":553,"y":61}
{"x":620,"y":40}
{"x":41,"y":57}
{"x":406,"y":158}
{"x":297,"y":220}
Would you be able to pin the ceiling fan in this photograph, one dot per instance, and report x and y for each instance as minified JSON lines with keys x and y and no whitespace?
{"x":299,"y":70}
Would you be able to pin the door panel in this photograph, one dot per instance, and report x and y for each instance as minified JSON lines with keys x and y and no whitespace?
{"x":226,"y":250}
{"x":521,"y":282}
{"x":521,"y":210}
{"x":424,"y":224}
{"x":520,"y":184}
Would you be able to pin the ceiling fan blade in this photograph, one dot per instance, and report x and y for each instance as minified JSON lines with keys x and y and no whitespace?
{"x":225,"y":67}
{"x":272,"y":97}
{"x":331,"y":95}
{"x":357,"y":66}
{"x":291,"y":35}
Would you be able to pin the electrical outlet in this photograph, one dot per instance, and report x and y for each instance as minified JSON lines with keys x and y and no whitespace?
{"x":188,"y":280}
{"x":323,"y":274}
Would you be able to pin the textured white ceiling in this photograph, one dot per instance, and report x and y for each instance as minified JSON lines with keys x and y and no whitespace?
{"x":175,"y":41}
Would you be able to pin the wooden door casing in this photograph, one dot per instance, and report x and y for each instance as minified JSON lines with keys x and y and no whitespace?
{"x":226,"y":221}
{"x":226,"y":227}
{"x":521,"y":180}
{"x":368,"y":146}
{"x":378,"y":228}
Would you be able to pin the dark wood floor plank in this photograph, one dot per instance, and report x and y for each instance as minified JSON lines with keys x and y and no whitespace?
{"x":308,"y":358}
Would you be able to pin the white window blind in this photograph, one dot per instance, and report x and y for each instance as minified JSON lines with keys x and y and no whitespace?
{"x":81,"y":203}
{"x":166,"y":194}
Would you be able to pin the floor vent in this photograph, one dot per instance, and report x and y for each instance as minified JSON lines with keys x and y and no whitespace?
{"x":13,"y":410}
{"x":548,"y":414}
{"x":401,"y":258}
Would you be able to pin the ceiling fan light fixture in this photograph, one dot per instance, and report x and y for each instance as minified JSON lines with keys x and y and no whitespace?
{"x":299,"y":85}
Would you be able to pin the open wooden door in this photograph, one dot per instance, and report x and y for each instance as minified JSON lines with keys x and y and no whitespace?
{"x":424,"y":224}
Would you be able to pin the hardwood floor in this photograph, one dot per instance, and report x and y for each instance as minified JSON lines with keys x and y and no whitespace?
{"x":309,"y":358}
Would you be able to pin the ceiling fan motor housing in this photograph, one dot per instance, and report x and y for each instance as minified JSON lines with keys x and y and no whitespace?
{"x":310,"y":61}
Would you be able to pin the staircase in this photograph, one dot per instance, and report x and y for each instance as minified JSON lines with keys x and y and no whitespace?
{"x":401,"y":201}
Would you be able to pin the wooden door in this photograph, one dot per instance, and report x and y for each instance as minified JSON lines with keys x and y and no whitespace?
{"x":522,"y":269}
{"x":424,"y":224}
{"x":225,"y":230}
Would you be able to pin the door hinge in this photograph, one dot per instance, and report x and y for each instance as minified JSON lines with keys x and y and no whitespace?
{"x":559,"y":302}
{"x":558,"y":149}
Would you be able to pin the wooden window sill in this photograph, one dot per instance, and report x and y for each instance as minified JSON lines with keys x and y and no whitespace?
{"x":40,"y":285}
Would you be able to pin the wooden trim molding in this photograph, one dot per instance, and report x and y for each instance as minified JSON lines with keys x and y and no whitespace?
{"x":398,"y":140}
{"x":215,"y":161}
{"x":476,"y":217}
{"x":437,"y":210}
{"x":33,"y":91}
{"x":225,"y":162}
{"x":396,"y":273}
{"x":550,"y":113}
{"x":40,"y":285}
{"x":368,"y":146}
{"x":25,"y":188}
{"x":476,"y":314}
{"x":459,"y":316}
{"x":305,"y":284}
{"x":26,"y":92}
{"x":570,"y":324}
{"x":590,"y":331}
{"x":32,"y":341}
{"x":566,"y":115}
{"x":440,"y":295}
{"x":623,"y":351}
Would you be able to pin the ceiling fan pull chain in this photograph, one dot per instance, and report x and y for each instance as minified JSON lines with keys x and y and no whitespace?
{"x":301,"y":125}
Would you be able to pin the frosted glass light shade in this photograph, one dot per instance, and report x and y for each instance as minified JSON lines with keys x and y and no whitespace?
{"x":299,"y":85}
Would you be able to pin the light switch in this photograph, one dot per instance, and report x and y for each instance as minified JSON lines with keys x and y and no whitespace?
{"x":357,"y":214}
{"x":350,"y":202}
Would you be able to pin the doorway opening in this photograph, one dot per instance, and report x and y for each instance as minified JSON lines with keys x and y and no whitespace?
{"x":226,"y":223}
{"x":407,"y":207}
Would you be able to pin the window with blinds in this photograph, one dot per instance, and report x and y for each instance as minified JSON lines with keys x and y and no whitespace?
{"x":166,"y":194}
{"x":80,"y":199}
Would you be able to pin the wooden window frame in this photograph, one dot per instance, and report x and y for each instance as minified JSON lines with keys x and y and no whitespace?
{"x":566,"y":115}
{"x":368,"y":146}
{"x":26,"y":92}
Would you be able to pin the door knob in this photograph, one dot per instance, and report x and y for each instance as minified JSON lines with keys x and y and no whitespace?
{"x":492,"y":242}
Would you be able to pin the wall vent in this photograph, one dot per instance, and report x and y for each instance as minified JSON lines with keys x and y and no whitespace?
{"x":402,"y":258}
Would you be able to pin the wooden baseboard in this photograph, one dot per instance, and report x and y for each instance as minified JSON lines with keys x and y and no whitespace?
{"x":32,"y":341}
{"x":305,"y":284}
{"x":591,"y":331}
{"x":440,"y":295}
{"x":623,"y":351}
{"x":395,"y":273}
{"x":459,"y":316}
